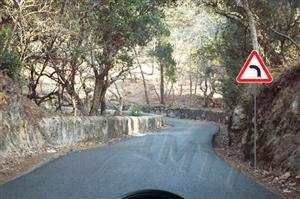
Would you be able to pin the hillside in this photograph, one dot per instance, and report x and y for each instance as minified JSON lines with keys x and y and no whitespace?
{"x":279,"y":123}
{"x":278,"y":135}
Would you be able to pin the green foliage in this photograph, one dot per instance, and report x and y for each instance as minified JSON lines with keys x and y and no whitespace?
{"x":206,"y":57}
{"x":232,"y":56}
{"x":135,"y":110}
{"x":223,"y":55}
{"x":277,"y":23}
{"x":231,"y":91}
{"x":163,"y":52}
{"x":109,"y":31}
{"x":9,"y":61}
{"x":132,"y":23}
{"x":5,"y":35}
{"x":125,"y":58}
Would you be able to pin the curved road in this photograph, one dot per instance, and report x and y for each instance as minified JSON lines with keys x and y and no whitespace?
{"x":180,"y":160}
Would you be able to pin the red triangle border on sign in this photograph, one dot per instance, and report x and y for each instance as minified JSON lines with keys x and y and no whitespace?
{"x":263,"y":65}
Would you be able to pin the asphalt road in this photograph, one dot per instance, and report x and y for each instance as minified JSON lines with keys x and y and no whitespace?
{"x":180,"y":160}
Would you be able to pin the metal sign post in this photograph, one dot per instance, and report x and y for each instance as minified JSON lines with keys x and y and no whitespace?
{"x":255,"y":125}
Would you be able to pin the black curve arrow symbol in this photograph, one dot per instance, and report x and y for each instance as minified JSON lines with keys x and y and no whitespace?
{"x":257,"y":69}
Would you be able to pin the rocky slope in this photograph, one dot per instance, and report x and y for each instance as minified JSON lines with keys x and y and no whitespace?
{"x":16,"y":113}
{"x":278,"y":141}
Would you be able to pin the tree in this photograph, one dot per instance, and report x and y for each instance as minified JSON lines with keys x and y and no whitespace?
{"x":163,"y":52}
{"x":208,"y":71}
{"x":143,"y":78}
{"x":276,"y":23}
{"x":58,"y":40}
{"x":116,"y":28}
{"x":31,"y":38}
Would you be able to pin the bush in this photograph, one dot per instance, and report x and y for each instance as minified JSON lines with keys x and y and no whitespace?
{"x":9,"y":61}
{"x":135,"y":110}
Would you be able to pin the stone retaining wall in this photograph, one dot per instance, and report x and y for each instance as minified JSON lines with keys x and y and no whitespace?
{"x":185,"y":113}
{"x":55,"y":132}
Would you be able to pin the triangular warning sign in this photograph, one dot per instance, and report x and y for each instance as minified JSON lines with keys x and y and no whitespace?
{"x":254,"y":70}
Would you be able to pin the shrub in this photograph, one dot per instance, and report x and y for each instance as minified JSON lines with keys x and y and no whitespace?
{"x":9,"y":61}
{"x":135,"y":110}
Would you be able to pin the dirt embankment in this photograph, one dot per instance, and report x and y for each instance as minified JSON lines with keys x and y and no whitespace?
{"x":16,"y":111}
{"x":13,"y":105}
{"x":278,"y":139}
{"x":278,"y":119}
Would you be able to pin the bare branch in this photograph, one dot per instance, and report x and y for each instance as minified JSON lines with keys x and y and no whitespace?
{"x":286,"y":37}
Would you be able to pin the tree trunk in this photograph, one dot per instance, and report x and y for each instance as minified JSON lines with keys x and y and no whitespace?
{"x":102,"y":100}
{"x":252,"y":26}
{"x":205,"y":94}
{"x":143,"y":77}
{"x":145,"y":85}
{"x":255,"y":45}
{"x":100,"y":90}
{"x":96,"y":96}
{"x":181,"y":90}
{"x":191,"y":89}
{"x":171,"y":89}
{"x":162,"y":85}
{"x":59,"y":98}
{"x":76,"y":101}
{"x":196,"y":85}
{"x":70,"y":87}
{"x":32,"y":94}
{"x":173,"y":96}
{"x":101,"y":78}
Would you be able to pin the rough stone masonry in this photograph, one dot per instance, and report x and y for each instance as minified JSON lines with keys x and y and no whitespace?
{"x":56,"y":132}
